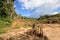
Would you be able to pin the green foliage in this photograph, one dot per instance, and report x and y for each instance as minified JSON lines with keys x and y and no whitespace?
{"x":50,"y":18}
{"x":8,"y":19}
{"x":5,"y":22}
{"x":6,"y":10}
{"x":2,"y":31}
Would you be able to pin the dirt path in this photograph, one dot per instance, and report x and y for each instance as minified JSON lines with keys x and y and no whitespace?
{"x":17,"y":22}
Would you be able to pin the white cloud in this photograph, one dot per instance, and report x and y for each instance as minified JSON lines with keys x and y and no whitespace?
{"x":42,"y":6}
{"x":54,"y":13}
{"x":36,"y":3}
{"x":58,"y":5}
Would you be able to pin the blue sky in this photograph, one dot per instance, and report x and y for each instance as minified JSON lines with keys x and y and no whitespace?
{"x":36,"y":8}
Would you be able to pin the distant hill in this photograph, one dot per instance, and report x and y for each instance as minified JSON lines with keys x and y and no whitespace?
{"x":50,"y":18}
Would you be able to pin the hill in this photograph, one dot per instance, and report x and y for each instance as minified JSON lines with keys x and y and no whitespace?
{"x":50,"y":18}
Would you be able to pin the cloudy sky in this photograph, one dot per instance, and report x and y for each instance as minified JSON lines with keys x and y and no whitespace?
{"x":37,"y":8}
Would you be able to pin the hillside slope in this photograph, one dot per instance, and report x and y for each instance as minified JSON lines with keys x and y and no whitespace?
{"x":50,"y":18}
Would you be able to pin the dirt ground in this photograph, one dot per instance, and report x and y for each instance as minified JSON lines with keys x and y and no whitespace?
{"x":52,"y":32}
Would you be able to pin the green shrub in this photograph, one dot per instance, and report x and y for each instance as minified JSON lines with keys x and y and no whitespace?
{"x":5,"y":22}
{"x":8,"y":19}
{"x":2,"y":31}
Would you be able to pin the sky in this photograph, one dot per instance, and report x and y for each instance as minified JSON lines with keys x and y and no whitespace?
{"x":37,"y":8}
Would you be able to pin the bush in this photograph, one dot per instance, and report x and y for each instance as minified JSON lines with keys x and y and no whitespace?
{"x":8,"y":19}
{"x":5,"y":22}
{"x":2,"y":31}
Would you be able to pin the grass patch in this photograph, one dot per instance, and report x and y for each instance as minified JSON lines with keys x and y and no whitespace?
{"x":5,"y":22}
{"x":2,"y":31}
{"x":17,"y":26}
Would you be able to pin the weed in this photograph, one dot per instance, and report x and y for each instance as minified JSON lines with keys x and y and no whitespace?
{"x":2,"y":31}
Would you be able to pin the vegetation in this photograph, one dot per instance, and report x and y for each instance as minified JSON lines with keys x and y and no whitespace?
{"x":2,"y":31}
{"x":6,"y":8}
{"x":50,"y":18}
{"x":7,"y":13}
{"x":5,"y":22}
